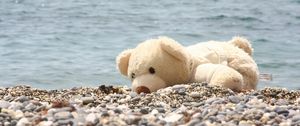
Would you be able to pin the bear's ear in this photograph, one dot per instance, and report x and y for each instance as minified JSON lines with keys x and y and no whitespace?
{"x":173,"y":48}
{"x":122,"y":61}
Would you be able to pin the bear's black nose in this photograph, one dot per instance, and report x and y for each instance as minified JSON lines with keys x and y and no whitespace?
{"x":141,"y":89}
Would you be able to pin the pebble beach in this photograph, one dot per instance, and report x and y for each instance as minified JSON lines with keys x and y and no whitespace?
{"x":196,"y":104}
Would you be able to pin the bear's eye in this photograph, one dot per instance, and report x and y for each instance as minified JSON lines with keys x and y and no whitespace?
{"x":151,"y":70}
{"x":132,"y":75}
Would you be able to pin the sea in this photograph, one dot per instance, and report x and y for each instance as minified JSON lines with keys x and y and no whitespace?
{"x":57,"y":44}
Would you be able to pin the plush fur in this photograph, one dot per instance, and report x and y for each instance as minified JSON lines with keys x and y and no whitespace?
{"x":162,"y":62}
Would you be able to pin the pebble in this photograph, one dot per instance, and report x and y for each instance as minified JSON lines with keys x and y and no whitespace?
{"x":64,"y":122}
{"x":136,"y":99}
{"x":173,"y":117}
{"x":92,"y":118}
{"x":282,"y":111}
{"x":296,"y":118}
{"x":23,"y":122}
{"x":234,"y":99}
{"x":161,"y":110}
{"x":30,"y":107}
{"x":45,"y":123}
{"x":133,"y":119}
{"x":22,"y":98}
{"x":118,"y":111}
{"x":144,"y":111}
{"x":133,"y":94}
{"x":282,"y":102}
{"x":87,"y":100}
{"x":4,"y":104}
{"x":195,"y":94}
{"x":63,"y":115}
{"x":19,"y":114}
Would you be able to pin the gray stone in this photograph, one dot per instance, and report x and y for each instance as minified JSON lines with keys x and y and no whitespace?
{"x":296,"y":118}
{"x":4,"y":104}
{"x":282,"y":111}
{"x":132,"y":119}
{"x":63,"y":115}
{"x":87,"y":100}
{"x":173,"y":117}
{"x":186,"y":104}
{"x":177,"y":87}
{"x":220,"y":117}
{"x":144,"y":111}
{"x":272,"y":115}
{"x":133,"y":94}
{"x":292,"y":113}
{"x":136,"y":99}
{"x":195,"y":94}
{"x":92,"y":118}
{"x":282,"y":102}
{"x":118,"y":111}
{"x":260,"y":96}
{"x":16,"y":106}
{"x":23,"y":122}
{"x":22,"y":98}
{"x":197,"y":104}
{"x":4,"y":115}
{"x":161,"y":110}
{"x":107,"y":98}
{"x":64,"y":122}
{"x":30,"y":107}
{"x":7,"y":98}
{"x":105,"y":114}
{"x":19,"y":114}
{"x":218,"y":101}
{"x":7,"y":124}
{"x":193,"y":122}
{"x":45,"y":123}
{"x":40,"y":108}
{"x":210,"y":100}
{"x":240,"y":107}
{"x":234,"y":99}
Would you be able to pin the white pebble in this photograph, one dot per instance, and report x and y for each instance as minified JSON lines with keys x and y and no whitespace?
{"x":173,"y":117}
{"x":23,"y":122}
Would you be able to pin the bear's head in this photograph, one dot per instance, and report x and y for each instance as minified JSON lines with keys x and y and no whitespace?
{"x":155,"y":64}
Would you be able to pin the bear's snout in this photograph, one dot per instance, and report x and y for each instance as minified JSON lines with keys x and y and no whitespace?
{"x":141,"y":89}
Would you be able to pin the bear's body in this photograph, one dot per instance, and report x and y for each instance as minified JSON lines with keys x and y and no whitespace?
{"x":162,"y":62}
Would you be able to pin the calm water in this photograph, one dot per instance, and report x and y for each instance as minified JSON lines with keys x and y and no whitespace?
{"x":64,"y":43}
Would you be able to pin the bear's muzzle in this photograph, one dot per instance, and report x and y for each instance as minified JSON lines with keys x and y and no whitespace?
{"x":141,"y":89}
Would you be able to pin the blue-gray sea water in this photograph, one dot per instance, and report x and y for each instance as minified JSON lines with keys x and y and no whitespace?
{"x":53,"y":44}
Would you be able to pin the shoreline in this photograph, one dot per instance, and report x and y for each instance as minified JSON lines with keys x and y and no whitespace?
{"x":187,"y":104}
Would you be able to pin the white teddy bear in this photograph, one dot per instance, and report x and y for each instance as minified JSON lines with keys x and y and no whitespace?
{"x":162,"y":62}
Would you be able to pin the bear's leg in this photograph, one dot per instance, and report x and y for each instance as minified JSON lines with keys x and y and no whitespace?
{"x":218,"y":74}
{"x":227,"y":77}
{"x":247,"y":68}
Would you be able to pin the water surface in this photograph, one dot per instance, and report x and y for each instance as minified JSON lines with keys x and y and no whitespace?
{"x":64,"y":43}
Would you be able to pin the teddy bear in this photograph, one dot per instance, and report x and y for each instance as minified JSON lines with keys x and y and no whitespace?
{"x":162,"y":62}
